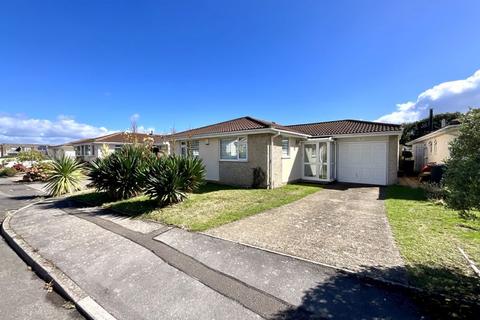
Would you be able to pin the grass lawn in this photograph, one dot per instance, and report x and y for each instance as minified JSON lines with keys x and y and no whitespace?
{"x":428,"y":236}
{"x":212,"y":206}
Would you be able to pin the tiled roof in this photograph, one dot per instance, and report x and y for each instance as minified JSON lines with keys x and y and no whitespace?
{"x":120,"y":137}
{"x":319,"y":129}
{"x":235,"y":125}
{"x":330,"y":128}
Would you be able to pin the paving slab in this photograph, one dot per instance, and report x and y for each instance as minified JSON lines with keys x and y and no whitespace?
{"x":343,"y":226}
{"x":126,"y":279}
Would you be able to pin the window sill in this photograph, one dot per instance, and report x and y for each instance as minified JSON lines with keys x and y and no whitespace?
{"x":285,"y":157}
{"x":233,"y":160}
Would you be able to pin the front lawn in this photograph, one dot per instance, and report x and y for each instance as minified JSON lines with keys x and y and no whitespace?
{"x":428,"y":236}
{"x":213,"y":205}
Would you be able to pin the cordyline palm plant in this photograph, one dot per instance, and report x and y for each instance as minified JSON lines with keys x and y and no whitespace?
{"x":121,"y":173}
{"x":169,"y":179}
{"x":64,"y":176}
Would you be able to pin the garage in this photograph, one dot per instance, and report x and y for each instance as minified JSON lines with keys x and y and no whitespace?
{"x":362,"y":162}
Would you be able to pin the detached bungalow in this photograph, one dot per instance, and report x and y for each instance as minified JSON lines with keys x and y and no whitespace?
{"x":345,"y":150}
{"x":90,"y":149}
{"x":434,"y":147}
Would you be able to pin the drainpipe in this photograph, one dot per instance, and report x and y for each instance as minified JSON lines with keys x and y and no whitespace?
{"x":270,"y":176}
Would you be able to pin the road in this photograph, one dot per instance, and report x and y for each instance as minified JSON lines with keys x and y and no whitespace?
{"x":23,"y":295}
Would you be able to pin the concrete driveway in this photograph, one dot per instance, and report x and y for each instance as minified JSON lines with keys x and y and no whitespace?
{"x":342,"y":225}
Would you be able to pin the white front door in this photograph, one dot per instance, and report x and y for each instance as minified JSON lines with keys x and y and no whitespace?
{"x":316,"y":158}
{"x":209,"y":153}
{"x":362,"y":162}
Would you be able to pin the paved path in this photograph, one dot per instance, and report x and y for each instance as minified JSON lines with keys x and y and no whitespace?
{"x":148,"y":271}
{"x":22,"y":293}
{"x":341,"y":226}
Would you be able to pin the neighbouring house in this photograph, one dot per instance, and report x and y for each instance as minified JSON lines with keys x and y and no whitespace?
{"x":58,"y":151}
{"x":344,"y":150}
{"x":12,"y":149}
{"x":90,"y":149}
{"x":434,"y":147}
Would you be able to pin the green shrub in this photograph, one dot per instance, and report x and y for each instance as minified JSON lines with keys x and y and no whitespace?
{"x":64,"y":176}
{"x":258,"y":177}
{"x":462,"y":176}
{"x":170,"y":178}
{"x":8,"y":172}
{"x":192,"y":171}
{"x":121,"y":174}
{"x":31,"y":155}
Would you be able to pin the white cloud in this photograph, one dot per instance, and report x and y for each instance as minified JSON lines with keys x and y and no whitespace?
{"x":134,"y":117}
{"x":21,"y":129}
{"x":448,"y":96}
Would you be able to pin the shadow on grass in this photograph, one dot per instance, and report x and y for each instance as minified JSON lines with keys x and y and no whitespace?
{"x":402,"y":193}
{"x":346,"y":296}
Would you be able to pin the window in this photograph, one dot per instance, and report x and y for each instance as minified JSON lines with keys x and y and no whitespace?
{"x":430,"y":146}
{"x":234,"y":148}
{"x":118,"y":147}
{"x":183,"y":149}
{"x":88,"y":150}
{"x":285,"y":148}
{"x":435,"y":146}
{"x":194,"y":148}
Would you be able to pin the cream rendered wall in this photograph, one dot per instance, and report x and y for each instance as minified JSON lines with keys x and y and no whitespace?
{"x":292,"y":165}
{"x":441,"y":153}
{"x":393,"y":157}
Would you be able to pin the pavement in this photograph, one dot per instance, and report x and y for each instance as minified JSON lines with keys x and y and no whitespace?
{"x":342,"y":225}
{"x":23,"y":295}
{"x":144,"y":270}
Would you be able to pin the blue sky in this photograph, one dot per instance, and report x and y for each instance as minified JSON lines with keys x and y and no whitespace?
{"x":71,"y":69}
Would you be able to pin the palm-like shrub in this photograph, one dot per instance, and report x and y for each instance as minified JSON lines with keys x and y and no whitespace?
{"x":192,"y":171}
{"x":64,"y":176}
{"x":170,"y":178}
{"x":121,"y":173}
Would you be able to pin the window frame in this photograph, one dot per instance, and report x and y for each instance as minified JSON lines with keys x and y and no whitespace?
{"x":237,"y":142}
{"x":287,"y":155}
{"x":191,"y":148}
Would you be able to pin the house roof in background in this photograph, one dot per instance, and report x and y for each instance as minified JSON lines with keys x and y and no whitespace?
{"x":344,"y":127}
{"x":119,"y":137}
{"x":234,"y":125}
{"x":446,"y":129}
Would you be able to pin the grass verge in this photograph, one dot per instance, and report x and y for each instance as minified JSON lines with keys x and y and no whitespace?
{"x":213,"y":205}
{"x":428,"y":236}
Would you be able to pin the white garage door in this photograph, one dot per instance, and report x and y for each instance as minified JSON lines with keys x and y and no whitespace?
{"x":362,"y":162}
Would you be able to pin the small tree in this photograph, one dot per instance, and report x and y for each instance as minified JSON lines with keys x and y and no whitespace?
{"x":462,"y":177}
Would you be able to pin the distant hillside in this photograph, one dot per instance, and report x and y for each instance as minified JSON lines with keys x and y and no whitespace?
{"x":419,"y":128}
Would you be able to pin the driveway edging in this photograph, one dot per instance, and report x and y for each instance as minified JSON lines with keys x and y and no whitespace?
{"x":46,"y":270}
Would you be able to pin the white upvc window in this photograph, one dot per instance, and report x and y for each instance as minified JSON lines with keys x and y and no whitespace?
{"x":194,"y":148}
{"x":234,"y":149}
{"x":118,"y":147}
{"x":286,"y":148}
